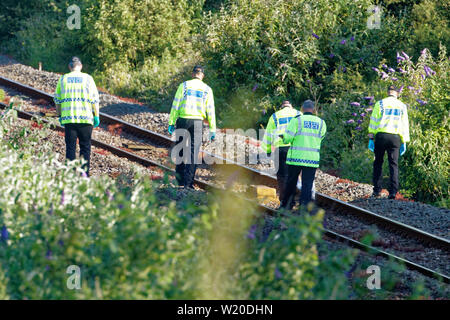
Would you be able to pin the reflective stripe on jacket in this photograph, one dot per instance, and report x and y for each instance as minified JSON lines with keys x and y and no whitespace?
{"x":194,"y":100}
{"x":78,"y":96}
{"x":276,"y":126}
{"x":305,"y":134}
{"x":390,"y":115}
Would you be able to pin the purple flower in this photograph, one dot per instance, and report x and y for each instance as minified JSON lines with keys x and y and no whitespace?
{"x":343,"y":41}
{"x":423,"y":52}
{"x":4,"y":234}
{"x":384,"y":75}
{"x":405,"y":55}
{"x":255,"y":87}
{"x":391,"y":70}
{"x":318,"y":61}
{"x":428,"y":71}
{"x":369,"y":98}
{"x":361,"y":59}
{"x":421,"y":102}
{"x":315,"y":36}
{"x":399,"y":58}
{"x":251,"y":232}
{"x":371,"y":103}
{"x":48,"y":255}
{"x":120,"y":206}
{"x":61,"y":243}
{"x":423,"y":76}
{"x":358,"y":128}
{"x":62,"y":197}
{"x":350,"y":121}
{"x":369,"y":110}
{"x":375,"y":69}
{"x":363,"y":114}
{"x":401,"y":70}
{"x":385,"y":66}
{"x":354,"y":114}
{"x":110,"y":196}
{"x":394,"y":79}
{"x":401,"y":89}
{"x":278,"y":274}
{"x":355,"y":104}
{"x":352,"y":38}
{"x":359,"y":121}
{"x":332,"y":55}
{"x":410,"y":88}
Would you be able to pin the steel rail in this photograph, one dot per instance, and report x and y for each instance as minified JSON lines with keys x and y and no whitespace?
{"x":257,"y":177}
{"x":260,"y":208}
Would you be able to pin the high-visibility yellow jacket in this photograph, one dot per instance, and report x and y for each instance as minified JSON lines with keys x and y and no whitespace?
{"x":78,"y":96}
{"x":390,"y":115}
{"x":276,"y":126}
{"x":305,"y":134}
{"x":194,"y":100}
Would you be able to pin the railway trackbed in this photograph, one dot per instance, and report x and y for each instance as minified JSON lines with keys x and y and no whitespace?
{"x":337,"y":205}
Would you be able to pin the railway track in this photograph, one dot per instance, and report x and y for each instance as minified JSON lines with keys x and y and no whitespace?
{"x":321,"y":199}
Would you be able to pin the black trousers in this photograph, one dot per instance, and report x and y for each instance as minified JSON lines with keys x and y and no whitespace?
{"x":308,"y":175}
{"x":390,"y":143}
{"x":282,"y":173}
{"x":82,"y":132}
{"x":188,"y":139}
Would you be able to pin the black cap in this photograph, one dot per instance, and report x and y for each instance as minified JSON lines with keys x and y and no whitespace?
{"x":308,"y":104}
{"x":198,"y":69}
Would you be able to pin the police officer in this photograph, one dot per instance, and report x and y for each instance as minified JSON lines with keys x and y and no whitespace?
{"x":193,"y":102}
{"x":77,"y":105}
{"x":276,"y":126}
{"x":389,"y":124}
{"x":305,"y":134}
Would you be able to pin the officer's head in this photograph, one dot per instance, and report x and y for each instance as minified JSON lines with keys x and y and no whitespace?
{"x":75,"y":64}
{"x":198,"y":72}
{"x":286,"y":103}
{"x":308,"y":106}
{"x":393,"y":91}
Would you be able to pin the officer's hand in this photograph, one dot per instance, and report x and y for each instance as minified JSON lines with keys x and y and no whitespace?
{"x":269,"y":153}
{"x":171,"y":128}
{"x":212,"y":136}
{"x":371,"y":145}
{"x":96,"y":122}
{"x":403,"y":149}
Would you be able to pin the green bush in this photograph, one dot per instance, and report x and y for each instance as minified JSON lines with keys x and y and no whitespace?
{"x":46,"y":31}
